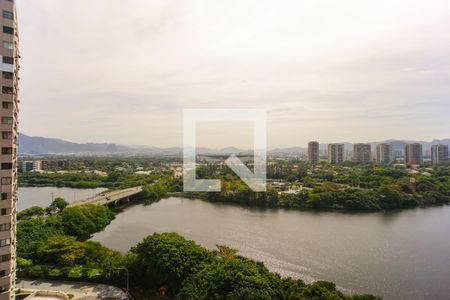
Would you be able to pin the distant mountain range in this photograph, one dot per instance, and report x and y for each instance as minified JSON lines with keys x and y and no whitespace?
{"x":29,"y":145}
{"x":32,"y":145}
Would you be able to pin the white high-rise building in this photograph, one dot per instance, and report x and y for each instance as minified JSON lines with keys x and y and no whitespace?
{"x":385,"y":153}
{"x":335,"y":153}
{"x":439,"y":154}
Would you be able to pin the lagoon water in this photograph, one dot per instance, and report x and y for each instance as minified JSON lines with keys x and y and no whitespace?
{"x":42,"y":196}
{"x":399,"y":255}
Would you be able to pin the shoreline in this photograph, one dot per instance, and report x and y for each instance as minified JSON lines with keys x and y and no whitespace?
{"x":342,"y":210}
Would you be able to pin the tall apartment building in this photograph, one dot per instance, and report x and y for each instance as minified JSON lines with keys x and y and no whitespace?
{"x":9,"y":143}
{"x":313,"y":153}
{"x":385,"y":153}
{"x":439,"y":154}
{"x":413,"y":153}
{"x":335,"y":153}
{"x":362,"y":153}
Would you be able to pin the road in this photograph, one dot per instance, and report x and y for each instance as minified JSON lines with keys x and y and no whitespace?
{"x":78,"y":289}
{"x":105,"y":198}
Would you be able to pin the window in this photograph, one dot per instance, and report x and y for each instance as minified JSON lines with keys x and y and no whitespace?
{"x":8,"y":15}
{"x":3,"y":273}
{"x":6,"y":166}
{"x":8,"y":60}
{"x":4,"y":196}
{"x":7,"y":90}
{"x":5,"y":227}
{"x":7,"y":150}
{"x":5,"y":257}
{"x":5,"y":242}
{"x":3,"y":211}
{"x":6,"y":180}
{"x":7,"y":75}
{"x":8,"y":45}
{"x":6,"y":135}
{"x":8,"y":30}
{"x":7,"y":120}
{"x":7,"y":105}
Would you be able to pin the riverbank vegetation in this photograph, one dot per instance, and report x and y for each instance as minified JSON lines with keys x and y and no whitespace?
{"x":114,"y":180}
{"x":193,"y":272}
{"x":53,"y":243}
{"x":291,"y":183}
{"x":354,"y":187}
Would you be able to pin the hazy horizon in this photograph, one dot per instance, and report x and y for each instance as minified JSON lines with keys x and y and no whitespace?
{"x":354,"y":71}
{"x":240,"y":148}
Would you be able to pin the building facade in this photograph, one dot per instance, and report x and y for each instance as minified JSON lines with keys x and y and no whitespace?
{"x":335,"y":153}
{"x":54,"y":164}
{"x":413,"y":153}
{"x":313,"y":153}
{"x":385,"y":153}
{"x":28,"y":166}
{"x":362,"y":153}
{"x":9,"y":143}
{"x":439,"y":154}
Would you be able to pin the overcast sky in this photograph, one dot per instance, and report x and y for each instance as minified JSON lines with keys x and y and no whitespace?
{"x":123,"y":71}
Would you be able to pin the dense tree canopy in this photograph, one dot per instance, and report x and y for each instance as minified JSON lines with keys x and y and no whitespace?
{"x":355,"y":187}
{"x":30,"y":212}
{"x":84,"y":220}
{"x":167,"y":258}
{"x":230,"y":279}
{"x":33,"y":232}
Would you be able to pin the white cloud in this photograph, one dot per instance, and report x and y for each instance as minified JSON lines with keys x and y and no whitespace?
{"x":122,"y":71}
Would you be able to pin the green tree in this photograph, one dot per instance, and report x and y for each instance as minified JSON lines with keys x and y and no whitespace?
{"x":31,"y":233}
{"x":229,"y":279}
{"x":30,"y":212}
{"x":226,"y":252}
{"x":57,"y":205}
{"x":166,"y":258}
{"x":84,"y":220}
{"x":390,"y":197}
{"x":62,"y":250}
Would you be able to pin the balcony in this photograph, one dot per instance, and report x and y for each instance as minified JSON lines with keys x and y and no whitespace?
{"x":6,"y":127}
{"x":5,"y":234}
{"x":6,"y":265}
{"x":6,"y":204}
{"x":5,"y":250}
{"x":5,"y":281}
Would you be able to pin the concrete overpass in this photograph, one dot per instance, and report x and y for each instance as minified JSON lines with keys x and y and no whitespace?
{"x":112,"y":197}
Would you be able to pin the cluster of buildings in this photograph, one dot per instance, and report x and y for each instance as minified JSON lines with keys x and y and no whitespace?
{"x":42,"y":165}
{"x":384,"y":153}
